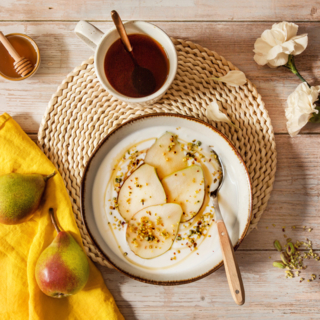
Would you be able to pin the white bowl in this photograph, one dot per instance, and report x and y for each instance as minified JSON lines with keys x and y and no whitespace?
{"x":235,"y":200}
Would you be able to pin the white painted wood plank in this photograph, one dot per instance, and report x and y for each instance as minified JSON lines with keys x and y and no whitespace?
{"x":61,"y":51}
{"x":295,"y":199}
{"x":250,"y":10}
{"x":268,"y":294}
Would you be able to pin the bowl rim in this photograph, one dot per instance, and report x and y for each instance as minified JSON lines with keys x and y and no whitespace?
{"x":38,"y":58}
{"x":173,"y":65}
{"x":95,"y":242}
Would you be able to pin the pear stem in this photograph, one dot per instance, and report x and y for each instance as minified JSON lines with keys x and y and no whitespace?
{"x":49,"y":176}
{"x":53,"y":220}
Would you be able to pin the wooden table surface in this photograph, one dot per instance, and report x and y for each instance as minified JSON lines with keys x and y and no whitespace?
{"x":229,"y":27}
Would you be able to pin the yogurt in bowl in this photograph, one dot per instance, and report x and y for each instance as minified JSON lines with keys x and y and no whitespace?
{"x":184,"y":262}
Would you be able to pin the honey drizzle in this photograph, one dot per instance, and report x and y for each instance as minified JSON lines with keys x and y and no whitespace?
{"x":119,"y":161}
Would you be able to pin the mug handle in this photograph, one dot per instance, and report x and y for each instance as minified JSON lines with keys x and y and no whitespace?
{"x":89,"y":34}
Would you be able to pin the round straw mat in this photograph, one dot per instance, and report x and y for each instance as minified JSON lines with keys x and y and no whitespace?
{"x":81,"y":113}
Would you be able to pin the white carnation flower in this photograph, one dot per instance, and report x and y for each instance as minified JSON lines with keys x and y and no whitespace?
{"x":275,"y":45}
{"x":301,"y":107}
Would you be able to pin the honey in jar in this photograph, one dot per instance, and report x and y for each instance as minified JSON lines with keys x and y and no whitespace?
{"x":24,"y":48}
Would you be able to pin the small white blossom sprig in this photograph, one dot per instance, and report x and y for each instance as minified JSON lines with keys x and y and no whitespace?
{"x":233,"y":78}
{"x":278,"y":47}
{"x":213,"y":113}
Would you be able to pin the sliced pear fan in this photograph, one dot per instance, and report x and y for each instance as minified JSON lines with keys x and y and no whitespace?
{"x":151,"y":231}
{"x":166,"y":155}
{"x":140,"y":190}
{"x":186,"y":187}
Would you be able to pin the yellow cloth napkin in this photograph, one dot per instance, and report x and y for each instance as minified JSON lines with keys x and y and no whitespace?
{"x":21,"y":245}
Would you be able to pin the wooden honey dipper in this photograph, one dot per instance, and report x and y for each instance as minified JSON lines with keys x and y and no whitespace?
{"x":22,"y":65}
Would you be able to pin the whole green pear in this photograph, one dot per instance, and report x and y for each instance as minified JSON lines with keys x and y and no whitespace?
{"x":20,"y":196}
{"x":62,"y":269}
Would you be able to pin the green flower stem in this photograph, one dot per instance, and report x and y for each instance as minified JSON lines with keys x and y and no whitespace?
{"x":292,"y":67}
{"x":316,"y":116}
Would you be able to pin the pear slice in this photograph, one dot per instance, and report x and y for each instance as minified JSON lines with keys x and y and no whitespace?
{"x":140,"y":190}
{"x":186,"y":187}
{"x":166,"y":155}
{"x":151,"y":231}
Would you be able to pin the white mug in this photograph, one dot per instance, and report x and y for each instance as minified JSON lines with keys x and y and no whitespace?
{"x":100,"y":43}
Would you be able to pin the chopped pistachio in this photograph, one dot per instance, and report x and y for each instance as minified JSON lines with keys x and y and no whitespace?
{"x":279,"y":264}
{"x":290,"y":248}
{"x":277,"y":245}
{"x":284,"y":258}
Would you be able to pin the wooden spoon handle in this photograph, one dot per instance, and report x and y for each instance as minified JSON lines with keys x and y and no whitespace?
{"x":231,"y":266}
{"x":122,"y":31}
{"x":9,"y":47}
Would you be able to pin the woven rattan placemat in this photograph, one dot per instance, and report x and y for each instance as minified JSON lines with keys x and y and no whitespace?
{"x":81,"y":113}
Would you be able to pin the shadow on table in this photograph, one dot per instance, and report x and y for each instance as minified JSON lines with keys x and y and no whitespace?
{"x":294,"y":199}
{"x":114,"y":280}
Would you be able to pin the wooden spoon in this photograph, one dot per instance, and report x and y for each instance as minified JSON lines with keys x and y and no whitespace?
{"x":22,"y":65}
{"x":142,"y":78}
{"x":231,"y":266}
